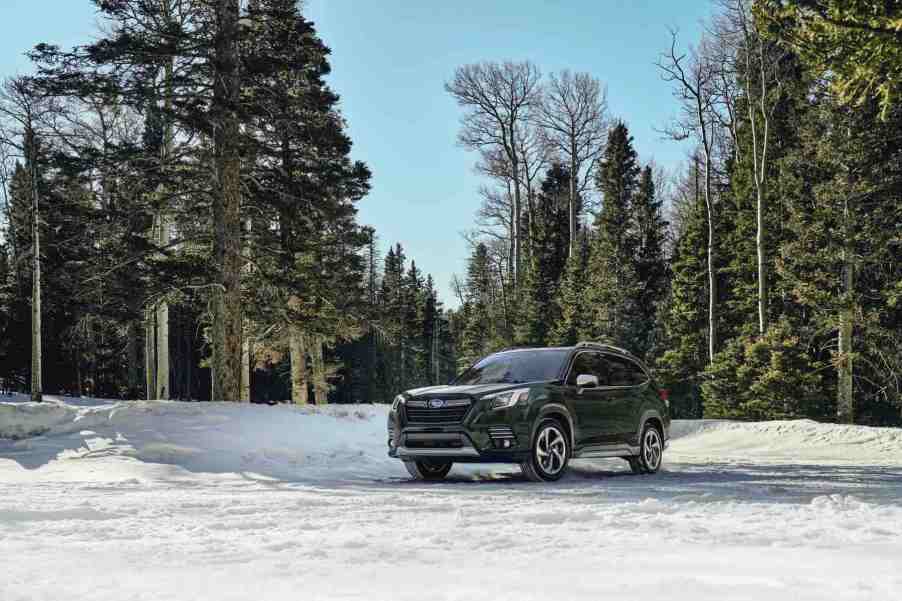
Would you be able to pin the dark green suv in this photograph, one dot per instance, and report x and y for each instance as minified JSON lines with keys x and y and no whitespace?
{"x":539,"y":407}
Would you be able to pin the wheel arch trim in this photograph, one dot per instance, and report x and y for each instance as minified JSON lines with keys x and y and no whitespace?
{"x":649,"y":415}
{"x":553,"y":409}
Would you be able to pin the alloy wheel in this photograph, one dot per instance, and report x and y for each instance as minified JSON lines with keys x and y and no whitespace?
{"x":551,"y":450}
{"x":652,"y":449}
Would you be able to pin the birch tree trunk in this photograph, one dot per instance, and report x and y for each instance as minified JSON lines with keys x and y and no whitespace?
{"x":150,"y":359}
{"x":161,"y":373}
{"x":297,"y":347}
{"x":134,"y":371}
{"x":712,"y":276}
{"x":515,"y":166}
{"x":320,"y":387}
{"x":36,"y":356}
{"x":246,"y":352}
{"x":162,"y":310}
{"x":227,"y":322}
{"x":845,"y":404}
{"x":571,"y":218}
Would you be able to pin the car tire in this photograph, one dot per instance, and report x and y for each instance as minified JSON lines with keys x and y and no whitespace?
{"x":548,"y":453}
{"x":428,"y":470}
{"x":651,"y":450}
{"x":635,"y":465}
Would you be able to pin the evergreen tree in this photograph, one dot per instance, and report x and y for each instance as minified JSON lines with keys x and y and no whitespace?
{"x":651,"y":265}
{"x":612,"y":279}
{"x":841,"y":259}
{"x":545,"y":265}
{"x":477,"y":335}
{"x":683,"y":315}
{"x":573,"y":324}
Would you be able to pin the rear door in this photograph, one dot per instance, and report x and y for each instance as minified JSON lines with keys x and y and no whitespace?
{"x":595,"y":409}
{"x":627,"y":384}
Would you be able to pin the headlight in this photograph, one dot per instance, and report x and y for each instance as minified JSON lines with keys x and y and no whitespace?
{"x":399,"y":400}
{"x":508,"y":398}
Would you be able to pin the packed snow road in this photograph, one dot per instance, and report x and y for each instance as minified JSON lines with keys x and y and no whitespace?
{"x":169,"y":501}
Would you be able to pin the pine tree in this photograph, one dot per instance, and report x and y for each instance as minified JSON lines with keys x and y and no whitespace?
{"x":651,"y":265}
{"x":683,"y":315}
{"x":545,"y":265}
{"x":573,"y":324}
{"x":303,"y":194}
{"x":841,"y":261}
{"x":612,"y":279}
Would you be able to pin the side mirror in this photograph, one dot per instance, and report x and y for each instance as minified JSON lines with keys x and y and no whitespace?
{"x":586,"y":381}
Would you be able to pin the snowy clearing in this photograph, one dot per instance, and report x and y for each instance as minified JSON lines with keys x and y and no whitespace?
{"x":181,"y":501}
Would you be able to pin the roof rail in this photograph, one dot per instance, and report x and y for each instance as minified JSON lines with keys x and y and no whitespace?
{"x":601,"y":345}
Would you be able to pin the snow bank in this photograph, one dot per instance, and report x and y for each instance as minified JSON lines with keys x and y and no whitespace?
{"x":803,"y":441}
{"x":337,"y":443}
{"x":25,"y":420}
{"x":284,"y":442}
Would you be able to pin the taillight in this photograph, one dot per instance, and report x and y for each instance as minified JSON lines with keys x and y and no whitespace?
{"x":664,"y":395}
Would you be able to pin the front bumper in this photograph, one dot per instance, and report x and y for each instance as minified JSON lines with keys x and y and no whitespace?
{"x":461,"y":443}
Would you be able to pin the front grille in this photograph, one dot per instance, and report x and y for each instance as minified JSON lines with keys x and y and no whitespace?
{"x":453,"y":411}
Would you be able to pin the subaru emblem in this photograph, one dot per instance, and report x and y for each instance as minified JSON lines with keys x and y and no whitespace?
{"x":436,"y":403}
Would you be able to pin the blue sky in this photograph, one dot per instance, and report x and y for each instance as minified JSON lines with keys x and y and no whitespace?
{"x":390,"y":60}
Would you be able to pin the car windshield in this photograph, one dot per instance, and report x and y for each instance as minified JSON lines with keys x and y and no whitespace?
{"x":516,"y":367}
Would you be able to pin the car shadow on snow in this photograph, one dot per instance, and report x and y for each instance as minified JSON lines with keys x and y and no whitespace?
{"x":703,"y":482}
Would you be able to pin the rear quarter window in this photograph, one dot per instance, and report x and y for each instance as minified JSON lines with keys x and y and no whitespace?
{"x":623,"y":372}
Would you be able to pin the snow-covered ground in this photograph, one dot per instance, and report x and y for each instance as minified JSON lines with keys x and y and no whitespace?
{"x":180,"y":501}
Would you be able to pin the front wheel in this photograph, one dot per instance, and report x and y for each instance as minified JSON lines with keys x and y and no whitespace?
{"x":549,"y":453}
{"x":428,"y":470}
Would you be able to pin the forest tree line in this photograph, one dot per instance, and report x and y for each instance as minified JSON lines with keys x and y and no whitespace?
{"x":763,"y":279}
{"x":180,"y":220}
{"x":180,"y":217}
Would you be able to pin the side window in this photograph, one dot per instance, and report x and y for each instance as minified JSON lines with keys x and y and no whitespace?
{"x":590,"y":364}
{"x":624,"y":372}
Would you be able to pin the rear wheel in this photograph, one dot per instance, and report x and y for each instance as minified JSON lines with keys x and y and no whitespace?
{"x":549,"y":453}
{"x":651,"y":450}
{"x":428,"y":469}
{"x":635,"y":465}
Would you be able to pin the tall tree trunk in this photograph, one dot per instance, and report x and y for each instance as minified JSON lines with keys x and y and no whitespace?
{"x":150,"y":356}
{"x":162,"y":318}
{"x":297,"y":346}
{"x":134,"y":369}
{"x":76,"y":360}
{"x":762,"y":266}
{"x":572,"y":207}
{"x":712,"y":276}
{"x":845,"y":404}
{"x":320,"y":387}
{"x":247,"y":349}
{"x":516,"y":219}
{"x":227,"y":321}
{"x":161,"y":373}
{"x":36,"y":356}
{"x":189,"y":356}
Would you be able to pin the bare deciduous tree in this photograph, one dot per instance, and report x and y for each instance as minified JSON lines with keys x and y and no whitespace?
{"x":694,"y":79}
{"x":21,"y":111}
{"x":500,"y":99}
{"x":754,"y":64}
{"x":573,"y":120}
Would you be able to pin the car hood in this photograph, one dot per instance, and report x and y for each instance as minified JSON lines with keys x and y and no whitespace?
{"x":475,"y":390}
